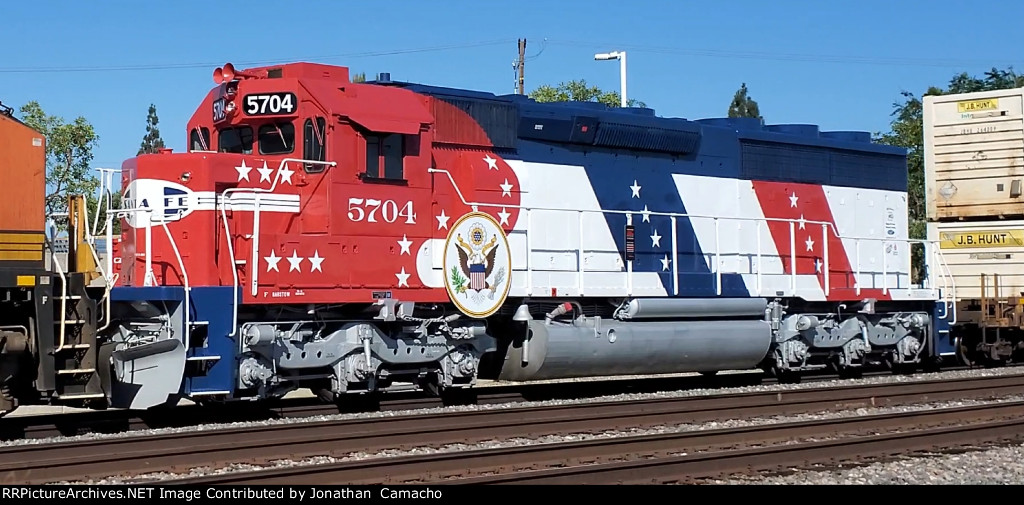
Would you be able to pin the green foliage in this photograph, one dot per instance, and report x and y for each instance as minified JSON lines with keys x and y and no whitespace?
{"x":458,"y":281}
{"x":151,"y":142}
{"x":744,"y":106}
{"x":360,"y":77}
{"x":579,"y":91}
{"x":68,"y":154}
{"x":115,"y":203}
{"x":907,"y":131}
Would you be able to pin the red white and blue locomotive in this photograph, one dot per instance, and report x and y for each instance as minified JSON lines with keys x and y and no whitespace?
{"x":358,"y":237}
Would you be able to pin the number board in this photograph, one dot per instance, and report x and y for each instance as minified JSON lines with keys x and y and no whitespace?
{"x":269,"y":104}
{"x":218,"y":110}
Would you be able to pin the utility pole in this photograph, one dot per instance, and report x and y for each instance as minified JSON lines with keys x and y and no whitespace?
{"x":522,"y":63}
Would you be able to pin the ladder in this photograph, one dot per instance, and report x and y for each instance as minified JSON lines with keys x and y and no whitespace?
{"x":78,"y":373}
{"x":76,"y":355}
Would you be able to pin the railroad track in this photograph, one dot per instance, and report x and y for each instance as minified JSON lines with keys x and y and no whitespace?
{"x":126,"y":421}
{"x":180,"y":452}
{"x":687,"y":457}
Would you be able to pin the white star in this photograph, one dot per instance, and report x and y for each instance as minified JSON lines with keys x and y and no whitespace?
{"x":243,"y":171}
{"x":492,"y":164}
{"x":272,"y":261}
{"x":285,"y":173}
{"x":403,"y":278}
{"x":503,"y":215}
{"x":647,"y":215}
{"x":817,"y":265}
{"x":802,"y":222}
{"x":792,"y":200}
{"x":265,"y":172}
{"x":405,"y":243}
{"x":294,"y":261}
{"x":664,"y":263}
{"x":655,"y":239}
{"x":442,"y":220}
{"x":810,"y":244}
{"x":316,"y":260}
{"x":506,"y":189}
{"x":636,"y":189}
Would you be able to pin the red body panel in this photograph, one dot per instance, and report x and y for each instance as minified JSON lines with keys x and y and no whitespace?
{"x":324,"y":236}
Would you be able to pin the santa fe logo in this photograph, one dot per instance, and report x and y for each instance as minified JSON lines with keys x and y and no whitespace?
{"x":477,"y":265}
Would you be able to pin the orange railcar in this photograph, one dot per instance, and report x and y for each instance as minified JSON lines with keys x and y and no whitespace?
{"x":23,"y":179}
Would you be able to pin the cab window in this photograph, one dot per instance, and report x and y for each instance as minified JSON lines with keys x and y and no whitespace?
{"x":277,"y":138}
{"x":385,"y":154}
{"x":200,"y":141}
{"x":313,"y":144}
{"x":235,"y":140}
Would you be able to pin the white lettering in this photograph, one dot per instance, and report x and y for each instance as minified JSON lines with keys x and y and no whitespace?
{"x":273,"y":103}
{"x":218,"y":110}
{"x":389,"y":210}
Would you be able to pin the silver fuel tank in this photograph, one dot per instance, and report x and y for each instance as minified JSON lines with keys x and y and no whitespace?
{"x":598,"y":347}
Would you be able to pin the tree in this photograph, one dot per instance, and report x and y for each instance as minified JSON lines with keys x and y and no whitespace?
{"x":151,"y":142}
{"x":68,"y":154}
{"x":743,"y":106}
{"x":579,"y":91}
{"x":907,"y":131}
{"x":360,"y":77}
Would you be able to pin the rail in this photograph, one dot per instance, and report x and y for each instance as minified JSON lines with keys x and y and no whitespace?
{"x":826,"y":229}
{"x":229,"y":237}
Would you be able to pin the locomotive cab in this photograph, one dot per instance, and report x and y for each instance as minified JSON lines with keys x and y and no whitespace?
{"x":292,"y":186}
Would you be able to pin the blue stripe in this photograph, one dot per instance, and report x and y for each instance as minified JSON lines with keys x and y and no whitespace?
{"x":785,"y":153}
{"x":611,"y":177}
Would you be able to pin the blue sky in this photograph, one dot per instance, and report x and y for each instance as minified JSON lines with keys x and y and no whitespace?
{"x":837,"y":64}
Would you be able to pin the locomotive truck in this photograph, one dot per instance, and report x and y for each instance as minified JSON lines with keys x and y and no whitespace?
{"x":355,"y":238}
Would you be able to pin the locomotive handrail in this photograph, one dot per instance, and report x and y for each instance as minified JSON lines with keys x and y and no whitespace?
{"x":149,"y":277}
{"x":947,"y":294}
{"x":63,"y":289}
{"x":826,"y":227}
{"x":255,"y":233}
{"x":184,"y":279}
{"x":90,"y":238}
{"x":90,"y":243}
{"x":667,"y":214}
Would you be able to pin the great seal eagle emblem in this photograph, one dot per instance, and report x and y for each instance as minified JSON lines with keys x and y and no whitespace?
{"x":477,"y":265}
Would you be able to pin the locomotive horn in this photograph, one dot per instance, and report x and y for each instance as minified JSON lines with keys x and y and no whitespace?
{"x":228,"y":72}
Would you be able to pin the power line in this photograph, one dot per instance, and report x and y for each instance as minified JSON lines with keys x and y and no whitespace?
{"x":756,"y":55}
{"x":172,"y":66}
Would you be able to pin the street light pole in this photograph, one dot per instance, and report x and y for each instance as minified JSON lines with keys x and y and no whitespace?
{"x":621,"y":56}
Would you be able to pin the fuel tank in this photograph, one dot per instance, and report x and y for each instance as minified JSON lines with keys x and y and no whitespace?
{"x":592,"y":346}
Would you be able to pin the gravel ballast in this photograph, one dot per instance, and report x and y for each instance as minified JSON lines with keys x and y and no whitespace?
{"x":886,"y":379}
{"x":732,"y":423}
{"x":993,"y":465}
